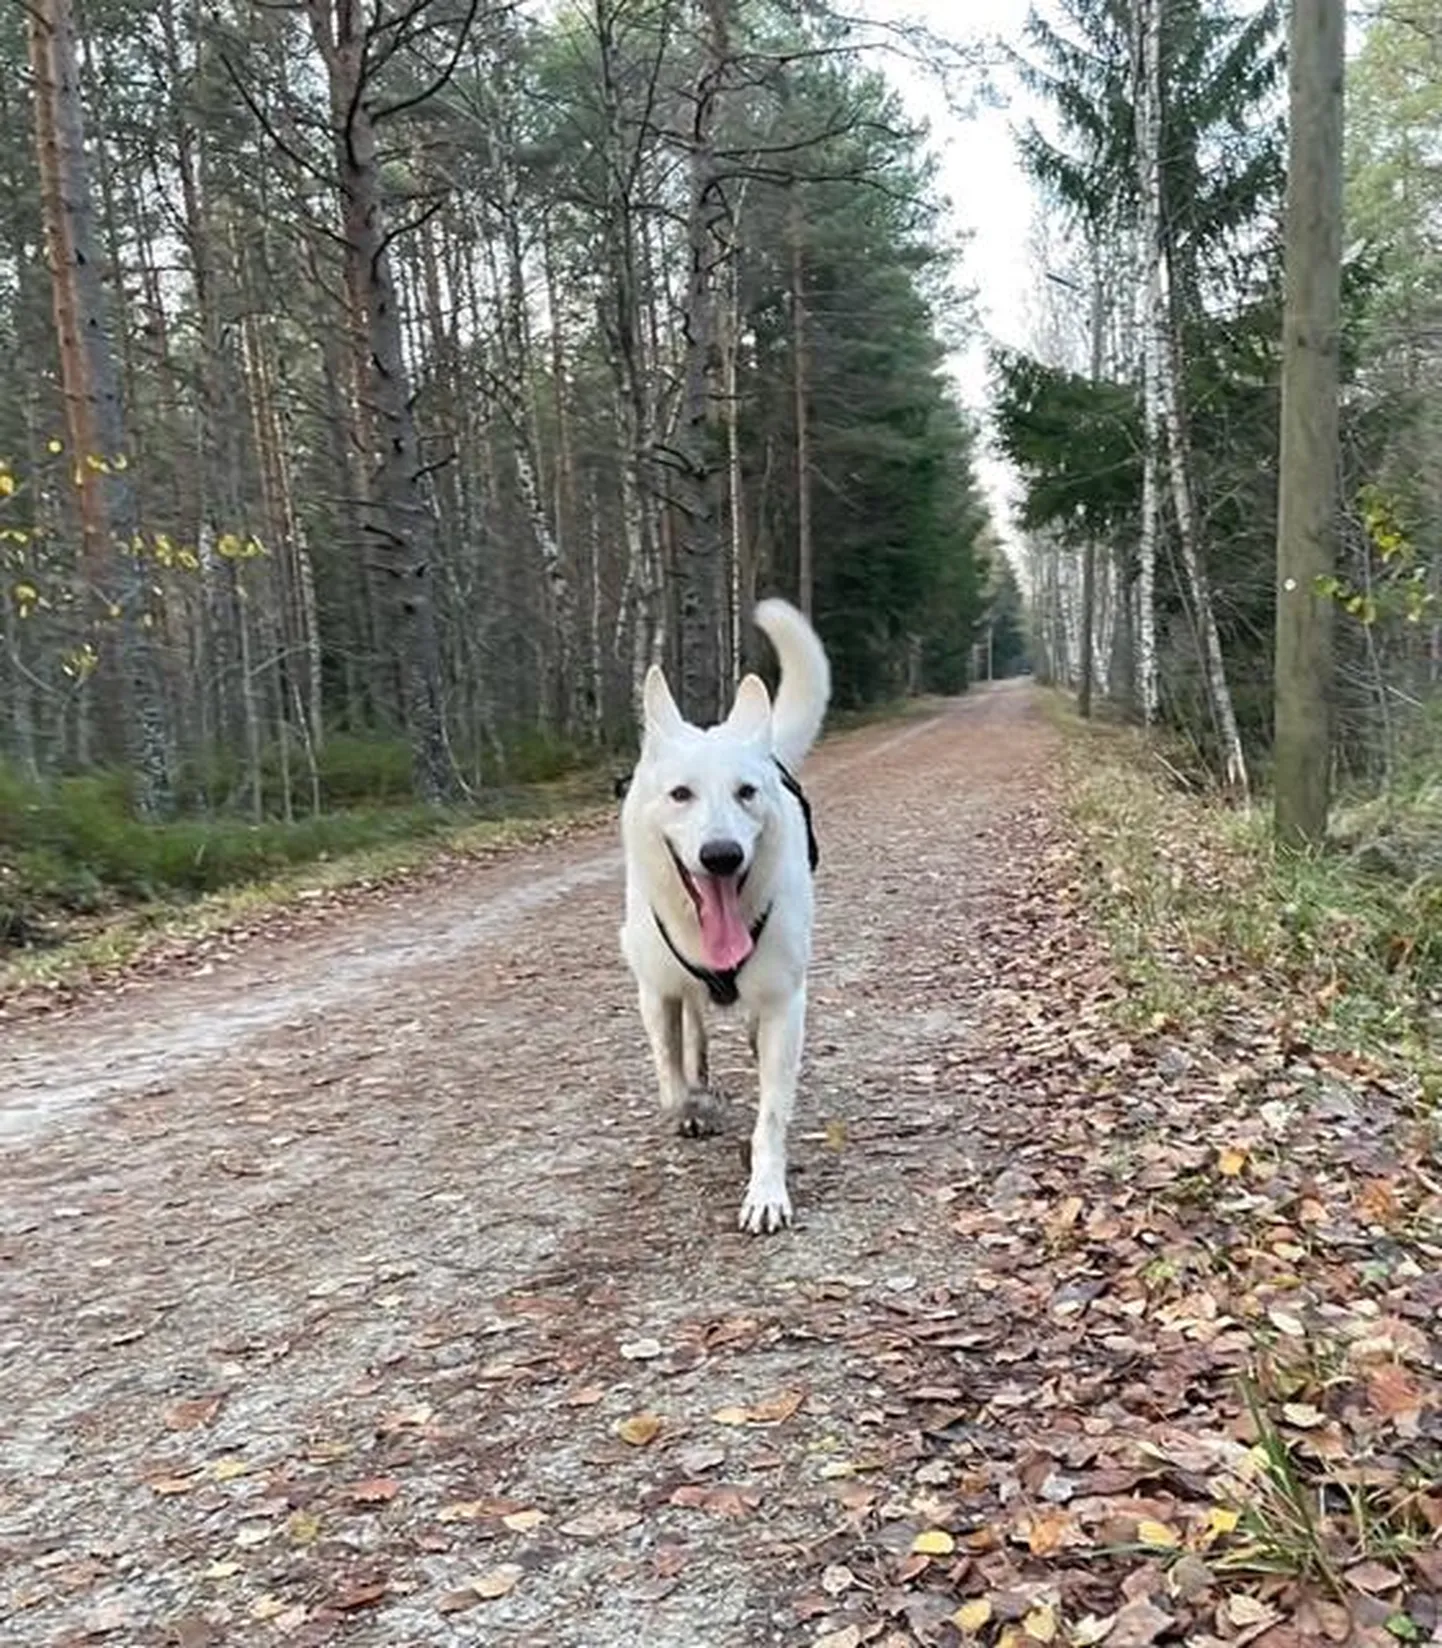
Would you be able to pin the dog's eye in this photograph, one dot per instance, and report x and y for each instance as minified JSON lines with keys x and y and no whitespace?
{"x":745,"y":792}
{"x":681,"y":793}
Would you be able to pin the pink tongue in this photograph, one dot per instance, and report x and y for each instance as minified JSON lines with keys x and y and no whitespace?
{"x":725,"y":939}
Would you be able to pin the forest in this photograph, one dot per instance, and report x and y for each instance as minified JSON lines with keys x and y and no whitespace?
{"x":396,"y":382}
{"x":1146,"y":420}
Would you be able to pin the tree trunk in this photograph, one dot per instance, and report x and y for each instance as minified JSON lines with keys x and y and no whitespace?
{"x":1307,"y":482}
{"x":131,"y":701}
{"x":1209,"y":643}
{"x":699,"y":561}
{"x":1147,"y":76}
{"x":805,"y":576}
{"x":397,"y":515}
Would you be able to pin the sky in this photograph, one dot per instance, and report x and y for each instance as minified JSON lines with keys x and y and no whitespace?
{"x":991,"y":200}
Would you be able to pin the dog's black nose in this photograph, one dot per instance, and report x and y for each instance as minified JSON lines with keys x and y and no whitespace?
{"x":721,"y":858}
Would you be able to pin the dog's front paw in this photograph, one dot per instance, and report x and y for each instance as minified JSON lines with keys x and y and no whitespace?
{"x":767,"y":1206}
{"x":700,"y":1113}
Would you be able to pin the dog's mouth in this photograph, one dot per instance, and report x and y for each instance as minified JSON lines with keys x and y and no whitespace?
{"x":725,"y":937}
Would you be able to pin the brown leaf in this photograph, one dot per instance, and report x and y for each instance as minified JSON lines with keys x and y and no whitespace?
{"x":363,"y":1594}
{"x":1138,"y":1625}
{"x":193,"y":1412}
{"x":375,"y":1490}
{"x":602,"y":1520}
{"x":586,"y":1397}
{"x":1374,"y":1577}
{"x":457,"y":1602}
{"x":498,"y":1582}
{"x":169,"y":1485}
{"x":1392,"y":1392}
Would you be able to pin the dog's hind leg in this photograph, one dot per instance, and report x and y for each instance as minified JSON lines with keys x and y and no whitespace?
{"x":688,"y":1111}
{"x":780,"y":1028}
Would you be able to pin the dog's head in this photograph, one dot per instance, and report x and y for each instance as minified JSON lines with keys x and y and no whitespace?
{"x":702,"y":798}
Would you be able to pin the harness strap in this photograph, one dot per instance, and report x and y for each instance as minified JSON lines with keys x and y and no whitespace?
{"x":721,"y":987}
{"x":789,"y":782}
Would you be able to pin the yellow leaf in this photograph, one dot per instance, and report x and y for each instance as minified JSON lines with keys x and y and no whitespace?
{"x":1040,"y":1624}
{"x":933,"y":1542}
{"x":731,"y":1416}
{"x":7,"y":484}
{"x":222,"y":1570}
{"x":639,"y":1429}
{"x":266,"y":1607}
{"x":304,"y":1527}
{"x":1222,"y":1519}
{"x":1231,"y":1159}
{"x":835,"y":1134}
{"x":227,"y":1469}
{"x":1156,"y":1534}
{"x":498,"y":1582}
{"x":971,"y":1616}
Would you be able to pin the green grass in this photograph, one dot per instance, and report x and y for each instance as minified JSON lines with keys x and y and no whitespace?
{"x":1198,"y":903}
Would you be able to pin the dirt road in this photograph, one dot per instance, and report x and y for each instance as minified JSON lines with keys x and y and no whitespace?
{"x":351,"y":1292}
{"x":317,"y":1267}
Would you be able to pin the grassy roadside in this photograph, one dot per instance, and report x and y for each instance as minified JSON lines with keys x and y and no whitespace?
{"x":277,"y":870}
{"x":1201,"y":912}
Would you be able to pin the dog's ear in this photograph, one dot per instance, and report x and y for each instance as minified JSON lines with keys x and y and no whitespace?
{"x":662,"y":717}
{"x":750,"y":715}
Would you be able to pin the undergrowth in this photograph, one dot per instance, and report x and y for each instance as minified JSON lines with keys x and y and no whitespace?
{"x":72,"y":852}
{"x":1199,"y":905}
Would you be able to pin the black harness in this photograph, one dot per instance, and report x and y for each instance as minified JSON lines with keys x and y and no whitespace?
{"x":721,"y":986}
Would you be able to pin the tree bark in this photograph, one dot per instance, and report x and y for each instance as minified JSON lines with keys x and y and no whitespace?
{"x":397,"y":515}
{"x":1307,"y":479}
{"x":132,"y":706}
{"x":805,"y":574}
{"x":1147,"y":78}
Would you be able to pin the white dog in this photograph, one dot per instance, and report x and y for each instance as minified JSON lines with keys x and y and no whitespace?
{"x":719,"y":858}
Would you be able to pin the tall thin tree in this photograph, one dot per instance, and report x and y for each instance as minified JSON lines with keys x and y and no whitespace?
{"x":1307,"y":483}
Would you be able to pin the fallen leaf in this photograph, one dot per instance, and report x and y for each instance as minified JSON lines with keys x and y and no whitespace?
{"x":1245,"y":1611}
{"x":267,"y":1607}
{"x":1231,"y":1159}
{"x":304,"y":1527}
{"x":524,"y":1522}
{"x":971,"y":1616}
{"x":1303,"y":1415}
{"x":1089,"y":1631}
{"x":230,"y":1468}
{"x":849,"y":1636}
{"x":498,"y":1582}
{"x":777,"y":1408}
{"x":462,"y":1510}
{"x":640,"y":1350}
{"x":1285,"y":1322}
{"x":604,"y":1519}
{"x":169,"y":1485}
{"x":705,"y":1456}
{"x":457,"y":1602}
{"x":1138,"y":1625}
{"x":375,"y":1490}
{"x":1221,"y":1519}
{"x":836,"y":1579}
{"x":933,"y":1542}
{"x":1393,"y":1393}
{"x":193,"y":1412}
{"x":639,"y":1429}
{"x":1374,"y":1577}
{"x":732,"y":1416}
{"x":586,"y":1397}
{"x":1040,"y":1624}
{"x":362,"y":1595}
{"x":222,"y":1570}
{"x":1157,"y":1534}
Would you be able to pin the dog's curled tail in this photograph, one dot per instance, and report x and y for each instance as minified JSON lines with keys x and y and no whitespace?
{"x":805,"y":687}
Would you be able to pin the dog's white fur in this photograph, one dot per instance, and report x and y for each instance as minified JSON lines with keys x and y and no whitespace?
{"x":695,"y":786}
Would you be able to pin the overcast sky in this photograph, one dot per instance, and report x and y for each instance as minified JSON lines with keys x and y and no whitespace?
{"x":991,"y":199}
